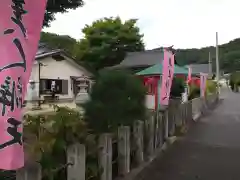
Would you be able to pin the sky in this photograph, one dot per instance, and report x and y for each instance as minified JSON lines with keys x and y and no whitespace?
{"x":182,"y":23}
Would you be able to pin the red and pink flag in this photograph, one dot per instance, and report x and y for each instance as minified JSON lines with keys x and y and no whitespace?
{"x":20,"y":27}
{"x":189,"y":74}
{"x":167,"y":77}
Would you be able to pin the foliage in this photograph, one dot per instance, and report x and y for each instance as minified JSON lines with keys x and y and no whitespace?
{"x":47,"y":138}
{"x":211,"y":86}
{"x":117,"y":98}
{"x":194,"y":91}
{"x":178,"y":87}
{"x":106,"y":42}
{"x":56,"y":6}
{"x":60,"y":42}
{"x":229,"y":56}
{"x":234,"y":80}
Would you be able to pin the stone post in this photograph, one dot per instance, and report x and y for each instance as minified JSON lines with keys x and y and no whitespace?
{"x":166,"y":124}
{"x":76,"y":159}
{"x":138,"y":140}
{"x":105,"y":156}
{"x":123,"y":150}
{"x":156,"y":131}
{"x":149,"y":129}
{"x":31,"y":171}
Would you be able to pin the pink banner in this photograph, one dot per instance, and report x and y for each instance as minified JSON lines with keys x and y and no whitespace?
{"x":203,"y":83}
{"x":189,"y":74}
{"x":167,"y":77}
{"x":20,"y":26}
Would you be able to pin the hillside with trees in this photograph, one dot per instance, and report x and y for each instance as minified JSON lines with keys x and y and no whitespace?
{"x":86,"y":50}
{"x":229,"y":56}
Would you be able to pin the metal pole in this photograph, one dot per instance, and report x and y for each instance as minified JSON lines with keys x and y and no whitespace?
{"x":217,"y":58}
{"x":217,"y":63}
{"x":210,"y":63}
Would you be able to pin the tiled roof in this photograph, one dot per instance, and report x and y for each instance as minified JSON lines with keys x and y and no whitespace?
{"x":157,"y":70}
{"x":197,"y":68}
{"x":141,"y":59}
{"x":44,"y":50}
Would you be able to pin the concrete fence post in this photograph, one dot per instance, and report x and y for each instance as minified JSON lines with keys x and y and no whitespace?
{"x":105,"y":156}
{"x":149,"y":129}
{"x":76,"y":159}
{"x":156,"y":131}
{"x":123,"y":150}
{"x":31,"y":171}
{"x":138,"y":140}
{"x":161,"y":129}
{"x":166,"y":124}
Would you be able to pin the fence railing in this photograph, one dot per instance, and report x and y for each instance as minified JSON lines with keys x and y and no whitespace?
{"x":132,"y":146}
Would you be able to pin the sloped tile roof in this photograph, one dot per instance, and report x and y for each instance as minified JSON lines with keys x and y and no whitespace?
{"x":197,"y":68}
{"x":141,"y":59}
{"x":44,"y":50}
{"x":157,"y":70}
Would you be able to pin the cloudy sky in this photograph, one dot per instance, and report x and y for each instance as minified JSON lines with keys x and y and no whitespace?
{"x":182,"y":23}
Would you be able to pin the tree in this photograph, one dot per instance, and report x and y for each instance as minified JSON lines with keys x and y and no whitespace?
{"x":106,"y":42}
{"x":117,"y":98}
{"x":56,"y":6}
{"x":56,"y":41}
{"x":178,"y":87}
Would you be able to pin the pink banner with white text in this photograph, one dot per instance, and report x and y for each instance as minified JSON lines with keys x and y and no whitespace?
{"x":20,"y":27}
{"x":189,"y":74}
{"x":167,"y":77}
{"x":203,"y":84}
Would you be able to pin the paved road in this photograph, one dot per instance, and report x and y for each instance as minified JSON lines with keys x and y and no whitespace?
{"x":210,"y":150}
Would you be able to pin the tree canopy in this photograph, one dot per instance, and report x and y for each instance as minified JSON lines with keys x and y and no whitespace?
{"x":61,"y":42}
{"x":106,"y":42}
{"x":117,"y":98}
{"x":55,"y":6}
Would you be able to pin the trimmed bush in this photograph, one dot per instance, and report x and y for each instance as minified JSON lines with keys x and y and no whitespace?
{"x":117,"y":98}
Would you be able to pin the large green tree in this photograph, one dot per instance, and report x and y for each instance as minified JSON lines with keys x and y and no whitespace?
{"x":56,"y":41}
{"x":56,"y":6}
{"x":106,"y":42}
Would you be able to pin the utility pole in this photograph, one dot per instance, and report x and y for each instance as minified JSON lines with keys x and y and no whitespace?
{"x":217,"y":63}
{"x":217,"y":58}
{"x":209,"y":63}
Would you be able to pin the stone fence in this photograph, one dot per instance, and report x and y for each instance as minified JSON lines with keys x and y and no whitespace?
{"x":136,"y":145}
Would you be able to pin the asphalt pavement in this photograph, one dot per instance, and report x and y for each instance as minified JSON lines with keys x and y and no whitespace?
{"x":209,"y":151}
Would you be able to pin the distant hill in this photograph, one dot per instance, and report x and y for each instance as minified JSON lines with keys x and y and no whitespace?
{"x":229,"y":56}
{"x":229,"y":53}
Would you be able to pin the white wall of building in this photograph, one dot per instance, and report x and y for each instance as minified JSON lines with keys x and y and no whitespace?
{"x":53,"y":69}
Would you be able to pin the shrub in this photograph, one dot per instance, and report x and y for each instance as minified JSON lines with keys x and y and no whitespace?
{"x":117,"y":98}
{"x":47,"y":137}
{"x":211,"y":86}
{"x":234,"y":80}
{"x":178,"y":87}
{"x":194,"y":92}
